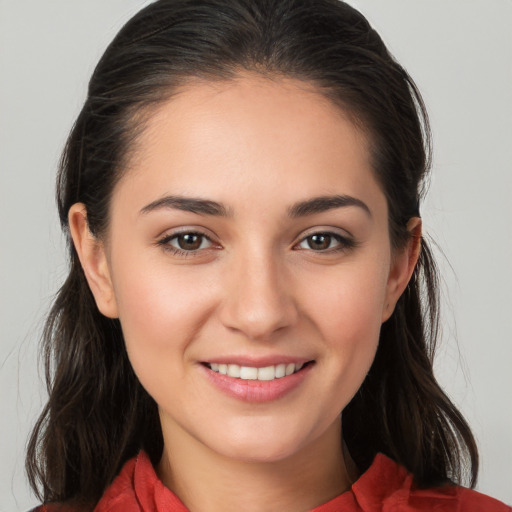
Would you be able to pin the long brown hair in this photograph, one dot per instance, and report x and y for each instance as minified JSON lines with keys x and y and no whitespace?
{"x":98,"y":415}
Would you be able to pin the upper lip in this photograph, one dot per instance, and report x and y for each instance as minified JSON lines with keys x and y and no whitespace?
{"x":257,"y":362}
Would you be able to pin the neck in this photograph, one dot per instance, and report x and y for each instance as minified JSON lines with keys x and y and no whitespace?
{"x":208,"y":482}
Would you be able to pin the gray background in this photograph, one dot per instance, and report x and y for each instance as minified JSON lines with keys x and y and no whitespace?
{"x":460,"y":54}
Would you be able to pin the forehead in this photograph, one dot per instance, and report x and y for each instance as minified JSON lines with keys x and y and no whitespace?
{"x":249,"y":138}
{"x":250,"y":104}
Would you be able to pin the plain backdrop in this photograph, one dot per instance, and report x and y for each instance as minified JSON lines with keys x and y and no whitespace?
{"x":460,"y":54}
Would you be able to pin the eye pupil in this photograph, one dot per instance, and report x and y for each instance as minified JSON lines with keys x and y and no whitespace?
{"x":189,"y":241}
{"x":319,"y":241}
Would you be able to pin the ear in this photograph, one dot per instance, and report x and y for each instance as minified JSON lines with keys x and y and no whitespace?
{"x":93,"y":259}
{"x":403,"y":264}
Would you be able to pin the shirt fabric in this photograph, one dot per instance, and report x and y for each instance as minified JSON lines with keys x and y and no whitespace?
{"x":384,"y":487}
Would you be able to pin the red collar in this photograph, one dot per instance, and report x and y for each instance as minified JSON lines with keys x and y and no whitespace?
{"x":384,"y":487}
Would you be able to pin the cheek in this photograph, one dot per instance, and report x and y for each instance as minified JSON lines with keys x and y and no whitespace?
{"x":349,"y":301}
{"x":160,"y":309}
{"x":347,"y":310}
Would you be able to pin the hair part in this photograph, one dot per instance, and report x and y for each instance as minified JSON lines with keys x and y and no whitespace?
{"x":98,"y":415}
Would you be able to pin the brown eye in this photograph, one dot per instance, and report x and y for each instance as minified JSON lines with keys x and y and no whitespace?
{"x":319,"y":242}
{"x":326,"y":242}
{"x":189,"y":241}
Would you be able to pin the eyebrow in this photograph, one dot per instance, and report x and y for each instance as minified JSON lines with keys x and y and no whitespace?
{"x":324,"y":203}
{"x":213,"y":208}
{"x":188,"y":204}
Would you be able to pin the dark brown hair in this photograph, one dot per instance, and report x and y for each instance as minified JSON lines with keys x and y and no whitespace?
{"x":98,"y":415}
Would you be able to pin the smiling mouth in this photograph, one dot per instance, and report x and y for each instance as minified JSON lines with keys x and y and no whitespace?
{"x":267,"y":373}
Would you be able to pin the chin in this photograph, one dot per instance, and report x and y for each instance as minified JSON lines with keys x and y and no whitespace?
{"x":264,"y":452}
{"x":260,"y":444}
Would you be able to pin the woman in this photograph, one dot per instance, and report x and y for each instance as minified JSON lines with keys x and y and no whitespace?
{"x":251,"y":310}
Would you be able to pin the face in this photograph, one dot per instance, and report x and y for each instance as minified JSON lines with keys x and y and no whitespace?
{"x":249,"y":237}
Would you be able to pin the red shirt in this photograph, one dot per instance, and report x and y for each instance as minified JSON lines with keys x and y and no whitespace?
{"x":384,"y":487}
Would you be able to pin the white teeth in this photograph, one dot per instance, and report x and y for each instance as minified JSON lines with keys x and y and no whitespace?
{"x":280,"y":371}
{"x":248,"y":373}
{"x":267,"y":373}
{"x":233,"y":370}
{"x":251,"y":373}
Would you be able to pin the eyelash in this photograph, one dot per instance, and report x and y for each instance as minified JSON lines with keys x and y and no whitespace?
{"x":165,"y":243}
{"x":344,"y":243}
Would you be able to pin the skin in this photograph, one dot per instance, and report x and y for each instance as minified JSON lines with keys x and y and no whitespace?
{"x":257,"y":289}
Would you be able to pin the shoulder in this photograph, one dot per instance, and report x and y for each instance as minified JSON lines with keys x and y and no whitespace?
{"x":135,"y":489}
{"x":119,"y":494}
{"x":55,"y":508}
{"x":388,"y":487}
{"x":453,"y":499}
{"x":478,"y":502}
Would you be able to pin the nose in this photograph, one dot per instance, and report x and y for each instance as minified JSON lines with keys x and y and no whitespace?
{"x":258,"y":299}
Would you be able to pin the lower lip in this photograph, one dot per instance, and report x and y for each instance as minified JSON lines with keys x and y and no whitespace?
{"x":257,"y":390}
